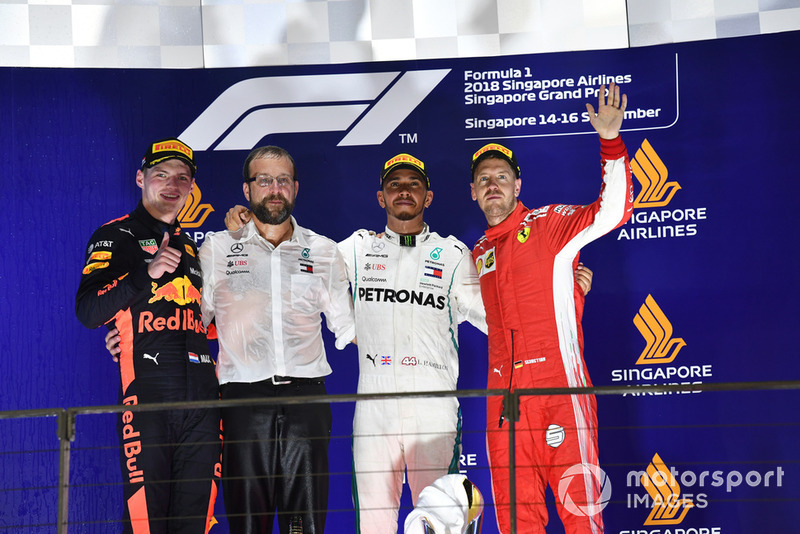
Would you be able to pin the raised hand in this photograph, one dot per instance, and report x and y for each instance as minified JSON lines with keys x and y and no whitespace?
{"x":166,"y":259}
{"x":610,"y":112}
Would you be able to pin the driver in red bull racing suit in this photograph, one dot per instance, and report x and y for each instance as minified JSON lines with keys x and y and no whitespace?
{"x":142,"y":276}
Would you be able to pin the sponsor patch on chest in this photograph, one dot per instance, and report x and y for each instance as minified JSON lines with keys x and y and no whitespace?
{"x":485,"y":263}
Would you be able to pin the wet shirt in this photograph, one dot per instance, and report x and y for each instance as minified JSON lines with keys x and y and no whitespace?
{"x":267,"y":303}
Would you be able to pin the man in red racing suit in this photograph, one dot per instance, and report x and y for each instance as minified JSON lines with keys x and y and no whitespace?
{"x":525,"y":262}
{"x":142,"y":276}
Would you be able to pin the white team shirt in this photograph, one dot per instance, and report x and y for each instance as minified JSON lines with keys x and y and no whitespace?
{"x":267,"y":302}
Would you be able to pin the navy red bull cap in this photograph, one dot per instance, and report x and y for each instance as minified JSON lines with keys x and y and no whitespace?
{"x":493,"y":150}
{"x":168,"y":148}
{"x":405,"y":161}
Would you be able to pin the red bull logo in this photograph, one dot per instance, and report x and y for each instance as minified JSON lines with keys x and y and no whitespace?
{"x":182,"y":319}
{"x":180,"y":290}
{"x":131,"y":444}
{"x":112,"y":285}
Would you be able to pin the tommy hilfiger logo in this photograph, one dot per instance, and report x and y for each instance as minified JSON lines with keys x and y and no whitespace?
{"x":433,"y":272}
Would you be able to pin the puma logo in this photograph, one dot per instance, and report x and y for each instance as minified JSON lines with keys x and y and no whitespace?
{"x":372,"y":359}
{"x":154,"y":358}
{"x":499,"y":371}
{"x":127,"y":231}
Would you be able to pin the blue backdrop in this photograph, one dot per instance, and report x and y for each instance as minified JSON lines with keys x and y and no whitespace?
{"x":698,"y":287}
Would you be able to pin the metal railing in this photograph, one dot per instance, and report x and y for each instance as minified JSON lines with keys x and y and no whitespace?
{"x":66,"y":417}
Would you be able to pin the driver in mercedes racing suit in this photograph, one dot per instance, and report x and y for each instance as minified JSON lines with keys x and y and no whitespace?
{"x":411,"y":287}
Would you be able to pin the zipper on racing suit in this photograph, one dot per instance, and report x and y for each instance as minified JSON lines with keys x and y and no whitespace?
{"x":510,"y":382}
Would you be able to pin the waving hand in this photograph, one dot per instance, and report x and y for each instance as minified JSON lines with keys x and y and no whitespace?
{"x":610,"y":112}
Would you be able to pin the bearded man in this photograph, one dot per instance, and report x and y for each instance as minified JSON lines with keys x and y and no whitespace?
{"x":265,"y":285}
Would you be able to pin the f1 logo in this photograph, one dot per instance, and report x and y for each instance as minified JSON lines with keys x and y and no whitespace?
{"x":370,"y":105}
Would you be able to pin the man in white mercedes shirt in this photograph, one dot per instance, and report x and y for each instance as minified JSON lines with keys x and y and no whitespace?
{"x":266,"y":285}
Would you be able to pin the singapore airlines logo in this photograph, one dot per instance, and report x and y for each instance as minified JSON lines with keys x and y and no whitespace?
{"x":194,"y":213}
{"x":657,"y":192}
{"x":655,"y":365}
{"x":656,"y":329}
{"x":368,"y":106}
{"x":666,"y":494}
{"x":651,"y":172}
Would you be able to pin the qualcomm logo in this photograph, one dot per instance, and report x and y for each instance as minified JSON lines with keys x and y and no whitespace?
{"x":367,"y":106}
